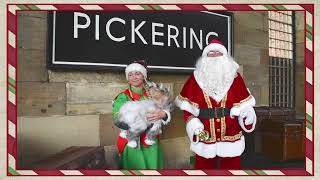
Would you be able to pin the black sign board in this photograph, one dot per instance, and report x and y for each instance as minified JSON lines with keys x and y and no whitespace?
{"x":168,"y":41}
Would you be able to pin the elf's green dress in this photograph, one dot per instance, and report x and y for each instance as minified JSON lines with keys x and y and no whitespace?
{"x":143,"y":156}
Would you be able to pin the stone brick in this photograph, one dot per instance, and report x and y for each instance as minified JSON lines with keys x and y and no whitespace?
{"x":299,"y":16}
{"x":264,"y":57}
{"x":32,"y":32}
{"x":256,"y":75}
{"x":300,"y":64}
{"x":32,"y":65}
{"x":265,"y":22}
{"x":108,"y":131}
{"x":93,"y":92}
{"x":89,"y":108}
{"x":169,"y":78}
{"x":300,"y":36}
{"x":240,"y":70}
{"x":177,"y":88}
{"x":176,"y":153}
{"x":94,"y":98}
{"x":252,"y":37}
{"x":256,"y":93}
{"x":83,"y":76}
{"x":299,"y":50}
{"x":41,"y":99}
{"x":36,"y":14}
{"x":264,"y":98}
{"x":247,"y":54}
{"x":251,"y":20}
{"x":176,"y":128}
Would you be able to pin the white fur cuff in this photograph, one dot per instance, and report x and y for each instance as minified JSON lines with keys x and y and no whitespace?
{"x":251,"y":102}
{"x":169,"y":117}
{"x":186,"y":106}
{"x":192,"y":125}
{"x":235,"y":110}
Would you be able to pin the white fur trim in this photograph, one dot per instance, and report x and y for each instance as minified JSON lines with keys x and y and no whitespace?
{"x":235,"y":110}
{"x":169,"y":117}
{"x":186,"y":106}
{"x":192,"y":125}
{"x":251,"y":102}
{"x":215,"y":46}
{"x":221,"y":149}
{"x":136,"y":67}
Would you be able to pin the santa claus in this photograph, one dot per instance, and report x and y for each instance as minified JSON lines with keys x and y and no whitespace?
{"x":217,"y":109}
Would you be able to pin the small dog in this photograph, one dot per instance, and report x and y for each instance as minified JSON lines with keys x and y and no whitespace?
{"x":133,"y":114}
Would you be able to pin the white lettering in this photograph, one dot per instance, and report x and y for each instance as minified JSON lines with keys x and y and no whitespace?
{"x":181,"y":36}
{"x":136,"y":31}
{"x":210,"y":34}
{"x":192,"y":36}
{"x":184,"y":37}
{"x":155,"y":33}
{"x":174,"y":37}
{"x":76,"y":24}
{"x":108,"y":29}
{"x":97,"y":36}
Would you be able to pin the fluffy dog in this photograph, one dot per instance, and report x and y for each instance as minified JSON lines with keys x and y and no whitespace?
{"x":133,"y":115}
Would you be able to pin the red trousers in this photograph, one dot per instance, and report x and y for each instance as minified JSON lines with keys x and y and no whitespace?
{"x":217,"y":163}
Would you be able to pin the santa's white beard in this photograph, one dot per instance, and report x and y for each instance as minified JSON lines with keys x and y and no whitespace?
{"x":215,"y":75}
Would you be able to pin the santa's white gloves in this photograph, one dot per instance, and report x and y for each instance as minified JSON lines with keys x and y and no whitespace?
{"x":246,"y":114}
{"x":249,"y":117}
{"x":194,"y":126}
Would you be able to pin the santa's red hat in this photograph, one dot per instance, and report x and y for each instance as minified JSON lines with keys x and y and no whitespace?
{"x":215,"y":45}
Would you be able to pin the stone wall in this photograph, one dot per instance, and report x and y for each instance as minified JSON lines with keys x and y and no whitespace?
{"x":58,"y":109}
{"x":251,"y":51}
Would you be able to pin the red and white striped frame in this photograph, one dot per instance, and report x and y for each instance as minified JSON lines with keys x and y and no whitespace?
{"x":12,"y":10}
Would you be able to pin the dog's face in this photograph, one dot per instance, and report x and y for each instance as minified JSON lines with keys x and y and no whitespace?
{"x":160,"y":95}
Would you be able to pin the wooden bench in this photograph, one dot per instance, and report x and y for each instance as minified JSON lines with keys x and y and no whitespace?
{"x":74,"y":157}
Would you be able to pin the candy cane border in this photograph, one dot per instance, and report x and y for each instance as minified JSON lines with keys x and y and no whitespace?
{"x":12,"y":88}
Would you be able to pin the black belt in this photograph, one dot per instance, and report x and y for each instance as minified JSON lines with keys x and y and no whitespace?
{"x":217,"y":112}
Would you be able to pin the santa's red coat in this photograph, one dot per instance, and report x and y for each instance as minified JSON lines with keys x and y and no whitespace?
{"x":225,"y":133}
{"x":224,"y":129}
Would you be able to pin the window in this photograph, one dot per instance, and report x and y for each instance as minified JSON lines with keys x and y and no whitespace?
{"x":281,"y":59}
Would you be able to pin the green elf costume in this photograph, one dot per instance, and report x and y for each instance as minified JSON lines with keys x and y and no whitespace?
{"x":143,"y":156}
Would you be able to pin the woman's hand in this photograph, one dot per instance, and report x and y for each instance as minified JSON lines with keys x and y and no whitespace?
{"x":155,"y":115}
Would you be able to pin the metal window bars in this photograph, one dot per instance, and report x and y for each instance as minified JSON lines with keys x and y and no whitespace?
{"x":281,"y":59}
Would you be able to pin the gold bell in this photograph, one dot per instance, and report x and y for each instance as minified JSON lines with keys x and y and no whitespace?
{"x":203,"y":135}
